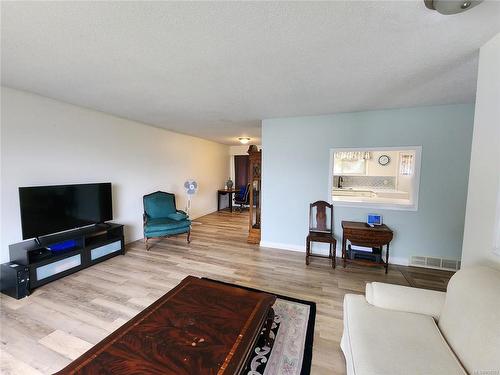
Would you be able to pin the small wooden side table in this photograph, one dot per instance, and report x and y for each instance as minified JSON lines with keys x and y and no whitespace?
{"x":224,"y":192}
{"x":361,"y":234}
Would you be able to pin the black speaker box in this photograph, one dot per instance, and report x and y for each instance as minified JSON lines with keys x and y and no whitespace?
{"x":15,"y":280}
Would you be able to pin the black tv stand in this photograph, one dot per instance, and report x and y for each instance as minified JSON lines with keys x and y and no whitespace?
{"x":82,"y":248}
{"x":103,"y":225}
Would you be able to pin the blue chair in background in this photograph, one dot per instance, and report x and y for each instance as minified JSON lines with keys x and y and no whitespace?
{"x":242,"y":198}
{"x":162,"y":218}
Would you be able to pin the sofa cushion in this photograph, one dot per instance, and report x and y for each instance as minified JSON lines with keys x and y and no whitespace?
{"x":470,"y":320}
{"x":385,"y":342}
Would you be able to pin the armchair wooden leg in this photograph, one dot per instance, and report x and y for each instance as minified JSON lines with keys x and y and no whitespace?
{"x":189,"y":236}
{"x":146,"y":242}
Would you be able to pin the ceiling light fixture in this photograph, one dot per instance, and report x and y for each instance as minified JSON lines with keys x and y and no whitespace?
{"x":244,"y":140}
{"x":451,"y":6}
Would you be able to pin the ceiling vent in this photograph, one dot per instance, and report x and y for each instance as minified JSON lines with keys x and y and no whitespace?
{"x":436,"y":263}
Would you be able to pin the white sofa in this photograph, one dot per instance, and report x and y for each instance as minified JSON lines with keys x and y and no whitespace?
{"x":402,"y":331}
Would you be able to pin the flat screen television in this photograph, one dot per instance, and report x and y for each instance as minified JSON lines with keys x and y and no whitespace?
{"x":51,"y":209}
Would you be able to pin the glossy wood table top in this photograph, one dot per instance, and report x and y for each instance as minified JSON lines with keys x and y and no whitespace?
{"x":358,"y":225}
{"x":199,"y":327}
{"x":362,"y":234}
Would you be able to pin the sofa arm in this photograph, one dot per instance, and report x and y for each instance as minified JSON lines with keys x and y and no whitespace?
{"x":403,"y":298}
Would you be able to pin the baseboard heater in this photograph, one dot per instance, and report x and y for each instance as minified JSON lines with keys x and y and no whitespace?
{"x":435,"y":263}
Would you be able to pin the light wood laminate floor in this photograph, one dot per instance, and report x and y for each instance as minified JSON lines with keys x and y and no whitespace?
{"x":61,"y":320}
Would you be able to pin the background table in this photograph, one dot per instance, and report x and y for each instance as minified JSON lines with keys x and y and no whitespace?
{"x":224,"y":192}
{"x":361,"y":234}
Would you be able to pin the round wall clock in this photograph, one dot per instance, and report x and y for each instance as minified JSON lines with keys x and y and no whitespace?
{"x":384,"y":160}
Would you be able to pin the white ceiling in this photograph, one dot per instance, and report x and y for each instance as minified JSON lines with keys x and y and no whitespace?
{"x":215,"y":69}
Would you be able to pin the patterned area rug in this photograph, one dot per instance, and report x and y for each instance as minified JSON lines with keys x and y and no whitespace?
{"x":293,"y":332}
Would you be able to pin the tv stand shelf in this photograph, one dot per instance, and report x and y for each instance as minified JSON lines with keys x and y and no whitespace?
{"x":89,"y":245}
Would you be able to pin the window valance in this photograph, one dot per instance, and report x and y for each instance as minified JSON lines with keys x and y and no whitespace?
{"x":353,"y":155}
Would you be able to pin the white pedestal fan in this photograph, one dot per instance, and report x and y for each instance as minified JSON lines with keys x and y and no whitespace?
{"x":191,"y":187}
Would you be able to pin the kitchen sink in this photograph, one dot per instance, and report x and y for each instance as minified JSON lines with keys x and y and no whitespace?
{"x":350,"y":192}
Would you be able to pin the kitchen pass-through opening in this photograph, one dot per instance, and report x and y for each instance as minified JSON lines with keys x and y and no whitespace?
{"x":382,"y":177}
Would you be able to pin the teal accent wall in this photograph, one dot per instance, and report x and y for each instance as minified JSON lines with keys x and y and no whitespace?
{"x":296,"y":154}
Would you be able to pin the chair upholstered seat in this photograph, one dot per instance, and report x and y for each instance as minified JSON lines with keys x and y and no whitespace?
{"x":165,"y":224}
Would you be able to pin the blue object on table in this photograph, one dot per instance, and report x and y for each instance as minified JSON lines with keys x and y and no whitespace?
{"x":242,"y":197}
{"x":374,"y":219}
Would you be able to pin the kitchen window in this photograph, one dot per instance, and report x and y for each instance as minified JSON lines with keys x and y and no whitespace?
{"x":350,"y":163}
{"x":406,"y":164}
{"x":350,"y":167}
{"x":386,"y":178}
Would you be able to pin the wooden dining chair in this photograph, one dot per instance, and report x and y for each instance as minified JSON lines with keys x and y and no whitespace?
{"x":321,"y":230}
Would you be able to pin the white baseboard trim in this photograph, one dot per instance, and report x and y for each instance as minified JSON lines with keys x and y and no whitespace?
{"x":400,"y":261}
{"x":282,"y":246}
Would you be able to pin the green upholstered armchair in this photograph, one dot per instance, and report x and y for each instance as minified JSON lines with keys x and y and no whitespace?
{"x":162,"y":218}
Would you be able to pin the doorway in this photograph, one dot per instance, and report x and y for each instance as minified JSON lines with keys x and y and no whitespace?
{"x":241,"y":170}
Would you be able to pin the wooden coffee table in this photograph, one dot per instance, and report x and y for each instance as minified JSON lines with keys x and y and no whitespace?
{"x":199,"y":327}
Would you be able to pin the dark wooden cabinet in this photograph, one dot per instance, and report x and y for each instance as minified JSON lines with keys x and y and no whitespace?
{"x":255,"y":181}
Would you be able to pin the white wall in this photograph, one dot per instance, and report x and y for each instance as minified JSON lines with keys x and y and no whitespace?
{"x":49,"y":142}
{"x":482,"y":215}
{"x":373,"y":168}
{"x":296,"y":168}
